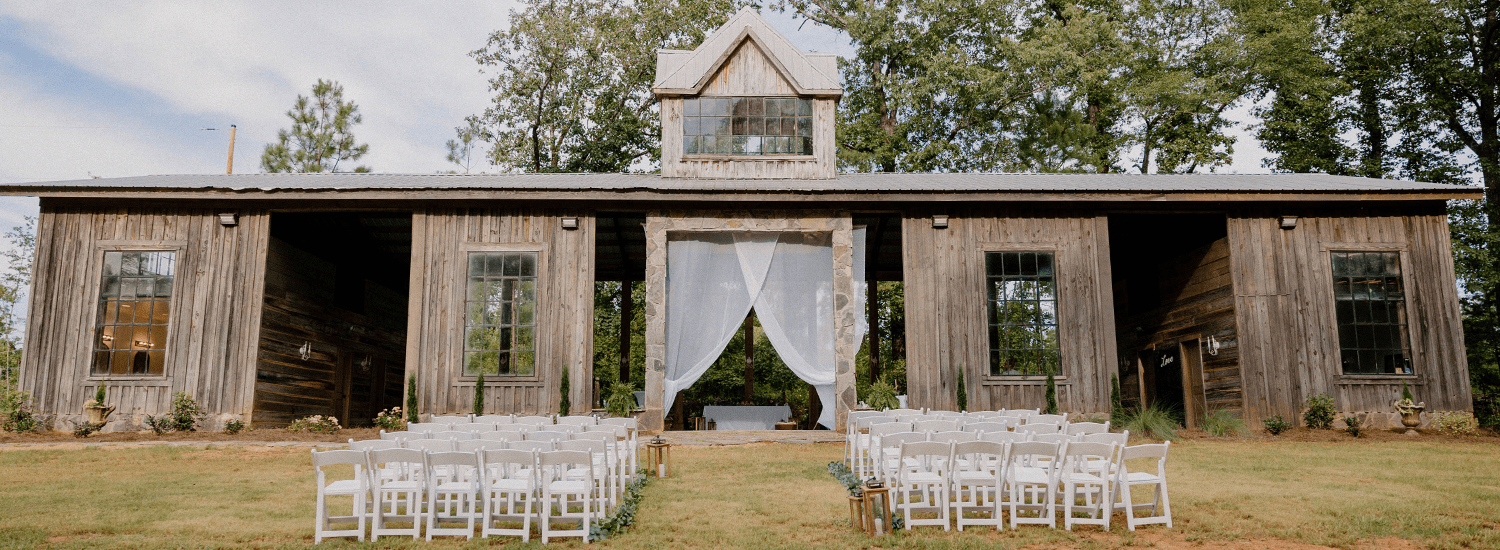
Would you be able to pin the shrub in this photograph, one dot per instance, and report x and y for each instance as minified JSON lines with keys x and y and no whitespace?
{"x":963,"y":393}
{"x":1320,"y":413}
{"x":234,"y":426}
{"x":390,"y":420}
{"x":1222,"y":423}
{"x":1275,"y":425}
{"x":1116,"y":402}
{"x":1051,"y":394}
{"x":1152,"y":421}
{"x":184,"y":417}
{"x":315,"y":424}
{"x":882,"y":395}
{"x":563,"y":403}
{"x":620,"y":400}
{"x":16,"y":412}
{"x":1455,"y":423}
{"x":1353,"y":426}
{"x":411,"y":399}
{"x":84,"y":429}
{"x":98,"y":397}
{"x":479,"y":394}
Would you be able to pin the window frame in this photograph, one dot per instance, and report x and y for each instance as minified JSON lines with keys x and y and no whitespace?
{"x":1331,"y":295}
{"x":96,"y":272}
{"x":984,"y":319}
{"x":540,"y":318}
{"x":683,"y":135}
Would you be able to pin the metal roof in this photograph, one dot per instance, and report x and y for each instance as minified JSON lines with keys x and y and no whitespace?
{"x":882,"y":183}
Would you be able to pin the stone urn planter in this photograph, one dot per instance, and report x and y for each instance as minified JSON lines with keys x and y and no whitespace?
{"x":1411,"y":414}
{"x":99,"y":414}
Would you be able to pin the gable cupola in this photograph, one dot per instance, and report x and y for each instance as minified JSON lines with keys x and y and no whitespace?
{"x":747,"y":104}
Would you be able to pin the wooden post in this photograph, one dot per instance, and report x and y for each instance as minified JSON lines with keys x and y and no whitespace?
{"x":874,"y":313}
{"x":627,"y":308}
{"x":230,"y":168}
{"x":750,"y":359}
{"x":814,"y":407}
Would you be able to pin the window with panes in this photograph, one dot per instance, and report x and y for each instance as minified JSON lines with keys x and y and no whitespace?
{"x":1022,"y":306}
{"x":1370,"y":304}
{"x":135,"y":303}
{"x":500,"y":314}
{"x":747,"y":126}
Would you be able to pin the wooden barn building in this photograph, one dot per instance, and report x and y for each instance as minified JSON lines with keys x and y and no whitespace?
{"x":277,"y":296}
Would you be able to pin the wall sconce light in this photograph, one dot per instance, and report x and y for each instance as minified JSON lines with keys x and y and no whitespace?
{"x":570,"y":223}
{"x":1212,"y":345}
{"x":1288,"y":222}
{"x":939,"y":221}
{"x":229,"y":219}
{"x":305,"y":352}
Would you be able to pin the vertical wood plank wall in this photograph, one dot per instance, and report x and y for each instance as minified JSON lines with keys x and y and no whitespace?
{"x":946,"y":323}
{"x":1198,"y":302}
{"x":213,"y":326}
{"x":1283,"y":286}
{"x":332,"y":381}
{"x":441,"y":239}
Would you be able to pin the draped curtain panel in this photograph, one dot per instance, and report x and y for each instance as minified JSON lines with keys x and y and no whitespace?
{"x":714,"y":279}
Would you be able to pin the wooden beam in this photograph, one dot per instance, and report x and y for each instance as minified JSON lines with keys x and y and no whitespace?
{"x":750,"y":358}
{"x":627,"y":310}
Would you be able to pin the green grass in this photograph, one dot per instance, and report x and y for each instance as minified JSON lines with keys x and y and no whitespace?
{"x":1438,"y":495}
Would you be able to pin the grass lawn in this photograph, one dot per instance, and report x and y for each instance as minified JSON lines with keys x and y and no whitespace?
{"x":1225,"y":493}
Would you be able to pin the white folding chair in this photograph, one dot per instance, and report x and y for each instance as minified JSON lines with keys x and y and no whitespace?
{"x":567,"y":428}
{"x":429,"y":445}
{"x":578,"y":420}
{"x":986,"y":426}
{"x":505,"y":435}
{"x":510,"y":487}
{"x":1059,"y":419}
{"x":372,"y":444}
{"x":1041,"y":428}
{"x":399,"y":498}
{"x":453,"y":434}
{"x":598,"y":471}
{"x":978,"y":483}
{"x":1085,"y":428}
{"x":1084,"y":477}
{"x":453,"y":500}
{"x":547,"y":436}
{"x":401,"y":436}
{"x":497,"y":419}
{"x":633,"y":445}
{"x":888,"y":454}
{"x":932,"y":426}
{"x":857,"y":440}
{"x":1033,"y":487}
{"x":1058,"y":438}
{"x":871,"y":447}
{"x":475,"y":427}
{"x":564,"y":493}
{"x":474,"y":445}
{"x":953,"y":437}
{"x":535,"y":420}
{"x":357,"y":488}
{"x":426,"y":427}
{"x":534,"y":446}
{"x":923,"y":472}
{"x":452,"y":419}
{"x":1160,"y":505}
{"x":613,"y":466}
{"x":902,"y":412}
{"x":1005,"y":437}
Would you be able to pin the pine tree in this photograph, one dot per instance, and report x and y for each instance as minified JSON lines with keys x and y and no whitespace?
{"x":1051,"y":394}
{"x":564,"y":404}
{"x":963,"y":393}
{"x":1116,"y":406}
{"x":411,"y":400}
{"x":321,"y":135}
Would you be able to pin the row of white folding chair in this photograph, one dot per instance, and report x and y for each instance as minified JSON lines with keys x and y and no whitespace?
{"x":605,"y":461}
{"x":618,"y":454}
{"x":885,"y":447}
{"x":986,"y":476}
{"x":497,"y":476}
{"x":865,"y":427}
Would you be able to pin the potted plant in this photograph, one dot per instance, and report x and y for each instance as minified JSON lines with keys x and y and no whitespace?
{"x":97,"y":411}
{"x":1410,"y":411}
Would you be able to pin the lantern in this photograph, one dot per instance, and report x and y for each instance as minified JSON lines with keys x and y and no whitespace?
{"x":877,"y":503}
{"x":857,"y":510}
{"x":658,"y":456}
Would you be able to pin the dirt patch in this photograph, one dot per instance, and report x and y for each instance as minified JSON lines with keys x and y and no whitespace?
{"x":1173,"y":541}
{"x":270,"y":434}
{"x":1340,"y":436}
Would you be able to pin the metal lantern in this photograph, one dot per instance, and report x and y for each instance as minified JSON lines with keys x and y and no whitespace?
{"x":658,"y":456}
{"x":857,"y":511}
{"x":877,"y":503}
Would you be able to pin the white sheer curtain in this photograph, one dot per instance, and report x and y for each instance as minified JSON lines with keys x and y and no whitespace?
{"x":713,"y":280}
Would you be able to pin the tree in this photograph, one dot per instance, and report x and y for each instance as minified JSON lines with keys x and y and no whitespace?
{"x":572,"y":81}
{"x":321,"y":135}
{"x":460,"y":151}
{"x":14,"y":282}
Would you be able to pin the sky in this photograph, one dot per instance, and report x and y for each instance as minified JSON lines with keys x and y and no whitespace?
{"x":111,"y":89}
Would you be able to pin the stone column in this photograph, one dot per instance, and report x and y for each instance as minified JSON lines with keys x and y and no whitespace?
{"x":654,"y":418}
{"x":846,"y":315}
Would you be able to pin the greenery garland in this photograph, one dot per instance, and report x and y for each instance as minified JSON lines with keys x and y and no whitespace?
{"x":624,"y":514}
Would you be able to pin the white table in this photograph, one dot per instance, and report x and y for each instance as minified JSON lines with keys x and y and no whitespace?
{"x":746,"y":418}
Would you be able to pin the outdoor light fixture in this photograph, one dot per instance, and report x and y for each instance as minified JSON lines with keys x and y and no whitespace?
{"x":229,"y":219}
{"x":939,"y":221}
{"x":1288,"y":222}
{"x":1212,"y":345}
{"x":570,"y":223}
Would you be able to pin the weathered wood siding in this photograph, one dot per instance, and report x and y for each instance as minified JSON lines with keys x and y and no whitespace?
{"x":441,"y":240}
{"x":355,"y":361}
{"x":1198,"y":302}
{"x":1288,"y":338}
{"x":946,"y":323}
{"x":748,"y":72}
{"x":215,"y":308}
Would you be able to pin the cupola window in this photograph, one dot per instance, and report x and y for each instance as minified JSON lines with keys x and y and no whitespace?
{"x":747,"y":126}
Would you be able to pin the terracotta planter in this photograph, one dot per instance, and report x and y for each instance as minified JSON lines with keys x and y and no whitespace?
{"x":99,"y":415}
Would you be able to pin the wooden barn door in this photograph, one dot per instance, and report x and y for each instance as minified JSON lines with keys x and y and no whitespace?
{"x":1162,"y":377}
{"x":1195,"y":404}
